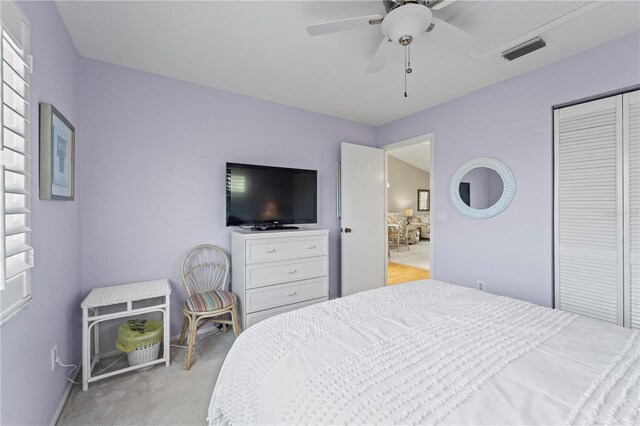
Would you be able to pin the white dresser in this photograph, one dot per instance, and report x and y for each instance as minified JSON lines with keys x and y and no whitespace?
{"x":278,"y":271}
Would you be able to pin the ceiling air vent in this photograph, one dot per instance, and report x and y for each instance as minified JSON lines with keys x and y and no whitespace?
{"x":524,"y":48}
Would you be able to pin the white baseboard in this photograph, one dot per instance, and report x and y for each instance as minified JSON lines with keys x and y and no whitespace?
{"x":67,"y":391}
{"x":65,"y":396}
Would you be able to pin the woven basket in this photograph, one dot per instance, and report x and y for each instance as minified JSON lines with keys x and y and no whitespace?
{"x":144,"y":354}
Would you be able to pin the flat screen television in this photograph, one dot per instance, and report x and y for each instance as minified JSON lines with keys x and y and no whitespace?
{"x":270,"y":196}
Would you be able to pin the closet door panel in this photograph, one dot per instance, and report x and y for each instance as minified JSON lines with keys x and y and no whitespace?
{"x":587,"y":201}
{"x":631,"y":137}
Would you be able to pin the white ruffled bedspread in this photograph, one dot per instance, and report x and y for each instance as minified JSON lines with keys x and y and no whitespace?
{"x":429,"y":353}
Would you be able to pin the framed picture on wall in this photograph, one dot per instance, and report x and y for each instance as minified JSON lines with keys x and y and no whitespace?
{"x":57,"y":155}
{"x":424,"y":202}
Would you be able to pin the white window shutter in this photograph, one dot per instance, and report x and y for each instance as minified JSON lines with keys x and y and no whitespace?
{"x":15,"y":180}
{"x":631,"y":135}
{"x":588,"y":202}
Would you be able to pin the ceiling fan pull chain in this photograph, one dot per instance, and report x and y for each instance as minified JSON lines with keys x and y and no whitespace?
{"x":405,"y":71}
{"x":407,"y":66}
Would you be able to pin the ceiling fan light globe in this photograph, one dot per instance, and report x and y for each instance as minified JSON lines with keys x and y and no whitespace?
{"x":408,"y":20}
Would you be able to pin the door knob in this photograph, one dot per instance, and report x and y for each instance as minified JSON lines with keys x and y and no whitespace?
{"x":347,"y":230}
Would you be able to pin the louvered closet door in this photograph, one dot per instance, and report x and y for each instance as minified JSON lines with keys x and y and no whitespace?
{"x":588,"y":200}
{"x":631,"y":136}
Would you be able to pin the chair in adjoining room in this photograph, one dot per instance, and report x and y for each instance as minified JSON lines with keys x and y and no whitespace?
{"x":403,"y":232}
{"x":205,"y":276}
{"x":392,"y":231}
{"x":398,"y":233}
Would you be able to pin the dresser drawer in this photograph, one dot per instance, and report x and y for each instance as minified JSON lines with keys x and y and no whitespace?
{"x":271,"y":249}
{"x":259,"y":299}
{"x":256,"y":317}
{"x":264,"y":274}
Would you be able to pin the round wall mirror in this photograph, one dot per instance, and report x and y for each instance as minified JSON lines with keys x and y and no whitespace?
{"x":482,"y":188}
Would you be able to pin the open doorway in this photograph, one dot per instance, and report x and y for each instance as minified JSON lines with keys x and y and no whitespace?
{"x":408,"y":174}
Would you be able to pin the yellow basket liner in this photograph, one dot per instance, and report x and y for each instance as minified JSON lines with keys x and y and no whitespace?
{"x":134,"y":334}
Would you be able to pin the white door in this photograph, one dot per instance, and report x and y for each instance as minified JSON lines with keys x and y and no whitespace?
{"x":362,"y":218}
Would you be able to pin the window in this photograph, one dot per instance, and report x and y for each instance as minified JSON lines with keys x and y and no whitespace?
{"x":16,"y":254}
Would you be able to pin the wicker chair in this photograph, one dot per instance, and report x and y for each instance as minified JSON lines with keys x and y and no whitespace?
{"x":392,"y":232}
{"x":403,"y":232}
{"x":205,"y":273}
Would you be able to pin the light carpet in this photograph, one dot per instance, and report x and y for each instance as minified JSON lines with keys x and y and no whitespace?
{"x":418,"y":255}
{"x":161,"y":396}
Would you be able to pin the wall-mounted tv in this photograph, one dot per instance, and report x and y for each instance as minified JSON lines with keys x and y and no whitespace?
{"x":270,"y":196}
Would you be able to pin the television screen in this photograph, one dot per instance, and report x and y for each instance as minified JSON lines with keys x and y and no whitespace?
{"x":270,"y":195}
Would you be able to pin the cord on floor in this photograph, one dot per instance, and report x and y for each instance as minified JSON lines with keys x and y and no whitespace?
{"x":199,"y":338}
{"x":61,"y":364}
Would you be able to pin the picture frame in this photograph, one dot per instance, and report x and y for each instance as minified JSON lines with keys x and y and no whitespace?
{"x":424,"y":200}
{"x":57,"y":155}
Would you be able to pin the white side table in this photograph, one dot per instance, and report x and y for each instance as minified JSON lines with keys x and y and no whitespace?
{"x":115,"y":295}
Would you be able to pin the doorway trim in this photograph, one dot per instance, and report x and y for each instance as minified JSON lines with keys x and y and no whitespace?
{"x":426,"y":137}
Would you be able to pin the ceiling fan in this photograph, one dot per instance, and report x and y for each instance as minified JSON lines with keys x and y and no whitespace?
{"x":405,"y":21}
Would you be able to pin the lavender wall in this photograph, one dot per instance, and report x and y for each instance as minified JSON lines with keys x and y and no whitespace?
{"x":30,"y":391}
{"x":151,"y":154}
{"x":154,"y":169}
{"x":511,"y":121}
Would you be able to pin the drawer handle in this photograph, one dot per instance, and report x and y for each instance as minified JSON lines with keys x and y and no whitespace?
{"x":292,"y":271}
{"x":310,"y":247}
{"x":291,"y":293}
{"x":270,"y":251}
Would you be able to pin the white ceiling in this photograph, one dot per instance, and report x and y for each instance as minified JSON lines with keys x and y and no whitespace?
{"x":418,"y":155}
{"x":262,"y":49}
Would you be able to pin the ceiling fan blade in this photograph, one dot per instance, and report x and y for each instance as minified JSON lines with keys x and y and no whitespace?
{"x":343,"y":25}
{"x":381,"y":57}
{"x":440,"y":4}
{"x":450,"y":36}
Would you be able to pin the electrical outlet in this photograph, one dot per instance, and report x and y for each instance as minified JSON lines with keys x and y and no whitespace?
{"x":54,"y":356}
{"x":480,"y":285}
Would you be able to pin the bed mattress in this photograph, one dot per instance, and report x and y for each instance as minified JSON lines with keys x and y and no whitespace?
{"x":429,"y":353}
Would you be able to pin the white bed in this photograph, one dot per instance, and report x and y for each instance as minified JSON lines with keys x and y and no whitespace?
{"x":429,"y":353}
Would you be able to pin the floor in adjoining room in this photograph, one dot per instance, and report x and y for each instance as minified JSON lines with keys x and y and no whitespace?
{"x":406,"y":265}
{"x":161,"y":396}
{"x":398,"y":274}
{"x":418,"y":255}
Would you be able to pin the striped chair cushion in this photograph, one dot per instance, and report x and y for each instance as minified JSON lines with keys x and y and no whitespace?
{"x":210,"y":301}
